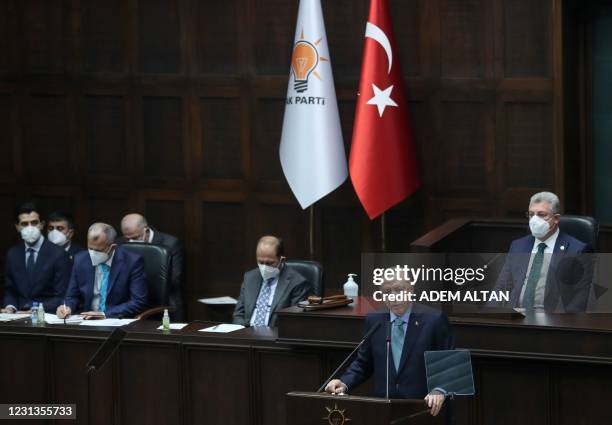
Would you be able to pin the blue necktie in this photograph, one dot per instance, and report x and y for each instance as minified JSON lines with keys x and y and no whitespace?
{"x":263,"y":303}
{"x":534,"y":276}
{"x":397,"y":341}
{"x":105,"y":269}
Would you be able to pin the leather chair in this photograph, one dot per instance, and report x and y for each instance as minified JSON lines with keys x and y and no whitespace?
{"x":312,"y":271}
{"x":158,"y":273}
{"x":581,"y":227}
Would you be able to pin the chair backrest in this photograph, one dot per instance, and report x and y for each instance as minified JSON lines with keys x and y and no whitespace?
{"x":581,"y":227}
{"x":157,"y":270}
{"x":312,"y":271}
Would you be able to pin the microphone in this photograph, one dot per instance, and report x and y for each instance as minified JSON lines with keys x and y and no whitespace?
{"x":365,"y":337}
{"x":388,"y":344}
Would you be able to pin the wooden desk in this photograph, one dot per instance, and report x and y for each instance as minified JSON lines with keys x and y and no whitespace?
{"x":543,"y":369}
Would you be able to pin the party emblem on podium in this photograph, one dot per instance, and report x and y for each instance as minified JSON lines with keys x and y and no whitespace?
{"x":335,"y":416}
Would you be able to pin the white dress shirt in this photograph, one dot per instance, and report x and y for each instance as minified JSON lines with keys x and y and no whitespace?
{"x":540,"y":291}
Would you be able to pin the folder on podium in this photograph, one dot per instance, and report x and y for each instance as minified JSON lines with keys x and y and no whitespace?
{"x":310,"y":408}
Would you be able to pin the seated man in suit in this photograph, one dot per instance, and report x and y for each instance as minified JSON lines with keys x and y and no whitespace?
{"x":270,"y":287}
{"x":36,"y":270}
{"x":60,"y":231}
{"x":545,"y":270}
{"x":135,"y":228}
{"x":415,"y":328}
{"x":106,"y":281}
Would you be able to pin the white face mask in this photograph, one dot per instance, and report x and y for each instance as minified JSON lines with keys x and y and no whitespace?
{"x":97,"y":257}
{"x":57,"y":237}
{"x":30,"y":234}
{"x":539,"y":227}
{"x":268,"y":272}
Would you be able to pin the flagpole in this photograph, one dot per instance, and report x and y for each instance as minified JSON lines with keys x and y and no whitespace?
{"x":383,"y":232}
{"x":311,"y":232}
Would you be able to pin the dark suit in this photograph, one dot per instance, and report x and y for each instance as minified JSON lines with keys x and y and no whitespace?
{"x":175,"y":248}
{"x":49,"y":278}
{"x":127,"y":287}
{"x":292,"y":287}
{"x":74,"y":249}
{"x":428,"y":329}
{"x":568,"y":280}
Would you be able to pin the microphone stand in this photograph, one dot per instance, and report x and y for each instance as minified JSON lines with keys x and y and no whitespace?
{"x":367,"y":335}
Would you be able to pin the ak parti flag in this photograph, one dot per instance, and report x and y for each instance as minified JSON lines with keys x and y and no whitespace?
{"x":383,"y":164}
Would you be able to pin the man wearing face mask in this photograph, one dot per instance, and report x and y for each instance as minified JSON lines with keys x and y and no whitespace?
{"x":544,"y":271}
{"x":36,"y":270}
{"x":60,"y":231}
{"x":269,"y":287}
{"x":135,"y":228}
{"x":106,"y":280}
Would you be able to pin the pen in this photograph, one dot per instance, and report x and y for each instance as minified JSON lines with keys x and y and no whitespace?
{"x":65,"y":315}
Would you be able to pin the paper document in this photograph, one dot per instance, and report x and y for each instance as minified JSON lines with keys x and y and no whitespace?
{"x":52,"y":319}
{"x":107,"y":322}
{"x":223,"y":328}
{"x":174,"y":326}
{"x":219,"y":301}
{"x":7,"y":317}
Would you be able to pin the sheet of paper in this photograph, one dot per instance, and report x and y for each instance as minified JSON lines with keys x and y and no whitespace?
{"x":174,"y":326}
{"x":107,"y":322}
{"x":7,"y":317}
{"x":223,"y":328}
{"x":52,"y":319}
{"x":219,"y":301}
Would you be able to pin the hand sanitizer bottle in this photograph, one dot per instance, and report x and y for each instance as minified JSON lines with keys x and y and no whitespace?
{"x":166,"y":321}
{"x":34,"y":313}
{"x":350,"y":287}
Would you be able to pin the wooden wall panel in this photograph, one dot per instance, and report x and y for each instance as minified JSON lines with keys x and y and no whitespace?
{"x":217,"y":34}
{"x":163,"y":137}
{"x":102,"y":36}
{"x":527,"y":23}
{"x":158,"y":36}
{"x":221,"y":138}
{"x":175,"y":108}
{"x":48,"y":152}
{"x":105,"y":131}
{"x":528,"y":145}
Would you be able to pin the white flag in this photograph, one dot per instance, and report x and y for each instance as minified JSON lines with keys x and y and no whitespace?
{"x":311,"y":149}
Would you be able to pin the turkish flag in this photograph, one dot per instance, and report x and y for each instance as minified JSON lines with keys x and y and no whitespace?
{"x":383,"y":164}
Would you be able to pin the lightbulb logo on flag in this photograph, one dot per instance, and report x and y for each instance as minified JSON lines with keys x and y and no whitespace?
{"x":304,"y":61}
{"x":311,"y":150}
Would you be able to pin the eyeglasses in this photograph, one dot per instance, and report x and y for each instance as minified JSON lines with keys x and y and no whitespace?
{"x":543,"y":215}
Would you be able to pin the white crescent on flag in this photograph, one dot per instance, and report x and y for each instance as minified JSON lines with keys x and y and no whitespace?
{"x":378,"y":35}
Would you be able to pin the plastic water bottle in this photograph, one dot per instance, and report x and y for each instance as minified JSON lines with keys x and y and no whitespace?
{"x":41,"y":314}
{"x":34,"y":313}
{"x":166,"y":321}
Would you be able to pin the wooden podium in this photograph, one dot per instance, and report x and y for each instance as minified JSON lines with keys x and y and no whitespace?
{"x":306,"y":408}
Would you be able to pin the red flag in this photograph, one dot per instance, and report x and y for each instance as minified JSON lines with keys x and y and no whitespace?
{"x":383,"y":163}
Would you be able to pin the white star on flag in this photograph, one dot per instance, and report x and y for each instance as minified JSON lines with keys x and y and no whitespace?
{"x":382,"y":99}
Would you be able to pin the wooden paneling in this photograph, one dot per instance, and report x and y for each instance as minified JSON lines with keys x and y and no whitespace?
{"x":175,"y":108}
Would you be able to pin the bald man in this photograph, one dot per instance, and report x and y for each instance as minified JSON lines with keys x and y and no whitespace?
{"x":106,"y":280}
{"x":135,"y":228}
{"x":269,"y":287}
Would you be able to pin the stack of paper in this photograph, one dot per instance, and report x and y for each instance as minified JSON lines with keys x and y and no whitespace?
{"x":223,"y":328}
{"x":7,"y":317}
{"x":107,"y":322}
{"x":219,"y":301}
{"x":174,"y":326}
{"x":52,"y":319}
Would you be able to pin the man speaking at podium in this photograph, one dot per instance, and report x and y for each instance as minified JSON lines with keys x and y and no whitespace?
{"x":415,"y":328}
